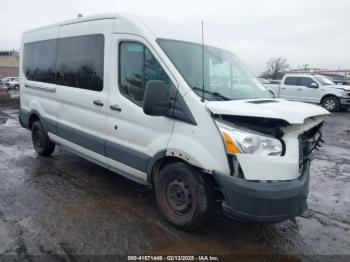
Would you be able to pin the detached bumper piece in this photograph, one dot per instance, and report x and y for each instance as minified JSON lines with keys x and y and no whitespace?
{"x":264,"y":202}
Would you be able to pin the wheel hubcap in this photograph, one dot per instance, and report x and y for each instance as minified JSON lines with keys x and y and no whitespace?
{"x":179,"y":196}
{"x":329,"y":104}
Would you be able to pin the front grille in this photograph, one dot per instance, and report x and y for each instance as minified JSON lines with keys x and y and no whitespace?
{"x":308,"y":142}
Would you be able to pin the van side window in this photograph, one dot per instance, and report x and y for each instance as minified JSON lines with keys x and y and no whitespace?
{"x":137,"y":66}
{"x":306,"y":81}
{"x":292,"y":81}
{"x":80,"y":62}
{"x":39,"y":61}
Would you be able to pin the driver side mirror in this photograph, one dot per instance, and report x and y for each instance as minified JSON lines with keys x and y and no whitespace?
{"x":314,"y":85}
{"x":156,"y":99}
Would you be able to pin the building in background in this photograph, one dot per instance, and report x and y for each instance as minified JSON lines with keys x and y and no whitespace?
{"x":9,"y":63}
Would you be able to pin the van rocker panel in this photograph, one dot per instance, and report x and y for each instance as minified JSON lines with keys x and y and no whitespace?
{"x":98,"y":145}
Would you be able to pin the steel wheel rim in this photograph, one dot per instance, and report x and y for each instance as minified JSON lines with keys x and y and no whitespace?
{"x":179,"y":196}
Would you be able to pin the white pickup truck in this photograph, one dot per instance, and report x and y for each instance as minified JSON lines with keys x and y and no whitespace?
{"x":313,"y":89}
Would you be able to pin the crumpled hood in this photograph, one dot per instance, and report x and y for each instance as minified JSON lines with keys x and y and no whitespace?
{"x":290,"y":111}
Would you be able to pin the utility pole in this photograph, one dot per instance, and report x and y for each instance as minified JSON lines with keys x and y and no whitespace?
{"x":305,"y":66}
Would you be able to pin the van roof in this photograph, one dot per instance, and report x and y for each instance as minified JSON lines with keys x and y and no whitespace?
{"x":158,"y":28}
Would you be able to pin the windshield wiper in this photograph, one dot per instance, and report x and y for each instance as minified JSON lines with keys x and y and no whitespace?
{"x":214,"y":94}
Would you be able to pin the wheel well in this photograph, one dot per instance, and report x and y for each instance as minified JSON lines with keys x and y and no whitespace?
{"x":33,"y":117}
{"x":159,"y":164}
{"x":324,"y":97}
{"x":219,"y":196}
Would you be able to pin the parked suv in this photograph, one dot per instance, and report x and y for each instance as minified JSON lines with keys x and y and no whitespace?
{"x":128,"y":94}
{"x":316,"y":89}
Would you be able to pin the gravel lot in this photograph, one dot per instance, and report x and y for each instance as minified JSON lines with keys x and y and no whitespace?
{"x":64,"y":206}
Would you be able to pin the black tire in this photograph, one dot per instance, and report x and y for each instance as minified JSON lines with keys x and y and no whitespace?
{"x":330,"y":103}
{"x":184,"y":196}
{"x":16,"y":87}
{"x":41,"y":142}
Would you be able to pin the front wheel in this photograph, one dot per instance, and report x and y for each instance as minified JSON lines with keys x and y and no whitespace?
{"x":184,"y":196}
{"x":330,"y":103}
{"x":41,"y":142}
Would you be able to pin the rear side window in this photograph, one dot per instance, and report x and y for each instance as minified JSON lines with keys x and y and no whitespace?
{"x":291,"y":81}
{"x":137,"y":66}
{"x":39,"y":61}
{"x":80,"y":62}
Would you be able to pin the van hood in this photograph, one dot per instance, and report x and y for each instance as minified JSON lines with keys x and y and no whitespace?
{"x":292,"y":112}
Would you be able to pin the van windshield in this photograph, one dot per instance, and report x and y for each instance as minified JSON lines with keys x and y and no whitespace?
{"x":225,"y":77}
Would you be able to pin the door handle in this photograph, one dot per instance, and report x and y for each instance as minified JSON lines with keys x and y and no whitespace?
{"x":115,"y":108}
{"x":283,"y":88}
{"x":98,"y":102}
{"x":299,"y":89}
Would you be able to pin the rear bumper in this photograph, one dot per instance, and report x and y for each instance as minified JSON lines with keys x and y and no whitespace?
{"x":264,"y":202}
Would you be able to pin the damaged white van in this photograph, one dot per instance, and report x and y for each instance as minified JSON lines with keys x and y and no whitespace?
{"x":134,"y":95}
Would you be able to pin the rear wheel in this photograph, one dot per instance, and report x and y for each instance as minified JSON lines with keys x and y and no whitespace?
{"x":41,"y":142}
{"x":184,"y":196}
{"x":330,"y":103}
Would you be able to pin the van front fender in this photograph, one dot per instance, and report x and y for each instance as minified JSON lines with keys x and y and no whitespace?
{"x":198,"y":154}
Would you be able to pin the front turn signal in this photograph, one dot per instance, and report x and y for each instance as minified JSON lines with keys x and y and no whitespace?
{"x":230,"y":145}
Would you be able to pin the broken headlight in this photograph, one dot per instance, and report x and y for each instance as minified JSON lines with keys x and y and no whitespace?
{"x":244,"y":142}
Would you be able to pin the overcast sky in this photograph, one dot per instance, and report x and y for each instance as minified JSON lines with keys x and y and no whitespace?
{"x":314,"y":32}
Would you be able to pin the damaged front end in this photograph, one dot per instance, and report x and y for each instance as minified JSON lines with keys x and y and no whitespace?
{"x":297,"y":141}
{"x":309,"y":141}
{"x":267,"y":188}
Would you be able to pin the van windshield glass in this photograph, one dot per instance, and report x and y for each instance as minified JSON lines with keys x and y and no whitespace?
{"x":225,"y":77}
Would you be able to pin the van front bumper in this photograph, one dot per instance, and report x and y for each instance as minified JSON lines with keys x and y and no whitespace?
{"x":264,"y":202}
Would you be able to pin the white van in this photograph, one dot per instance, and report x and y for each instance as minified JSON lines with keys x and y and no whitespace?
{"x":128,"y":93}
